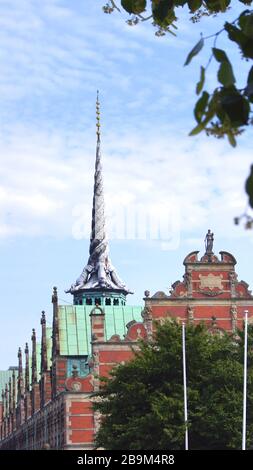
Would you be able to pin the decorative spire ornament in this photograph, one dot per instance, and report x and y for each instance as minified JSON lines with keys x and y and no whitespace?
{"x":10,"y":396}
{"x":43,"y":343}
{"x":55,"y":337}
{"x":99,"y":273}
{"x":20,"y":376}
{"x":34,"y":357}
{"x":13,"y":390}
{"x":27,"y":381}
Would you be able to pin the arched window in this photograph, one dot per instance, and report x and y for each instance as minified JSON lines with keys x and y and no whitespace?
{"x":88,"y":301}
{"x":97,"y":301}
{"x":116,"y":302}
{"x":108,"y":301}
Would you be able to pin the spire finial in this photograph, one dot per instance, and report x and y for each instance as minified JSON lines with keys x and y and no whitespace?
{"x":43,"y":318}
{"x":54,"y":296}
{"x":98,"y":115}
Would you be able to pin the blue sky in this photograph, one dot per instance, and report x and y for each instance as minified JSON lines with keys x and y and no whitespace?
{"x":54,"y":55}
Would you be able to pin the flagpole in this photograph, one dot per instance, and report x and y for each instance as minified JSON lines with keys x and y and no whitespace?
{"x":245,"y":381}
{"x":185,"y":387}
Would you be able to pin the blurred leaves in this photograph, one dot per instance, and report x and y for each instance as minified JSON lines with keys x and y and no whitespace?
{"x":194,"y":51}
{"x":225,"y":111}
{"x":242,"y":33}
{"x":201,"y":82}
{"x":134,"y":6}
{"x":249,"y":186}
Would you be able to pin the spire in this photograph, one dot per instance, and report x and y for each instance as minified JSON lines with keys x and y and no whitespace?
{"x":98,"y":241}
{"x":6,"y":400}
{"x":13,"y":390}
{"x":20,"y":375}
{"x":10,"y":396}
{"x":27,"y":382}
{"x":3,"y":405}
{"x":99,"y":272}
{"x":34,"y":357}
{"x":56,"y":340}
{"x":43,"y":343}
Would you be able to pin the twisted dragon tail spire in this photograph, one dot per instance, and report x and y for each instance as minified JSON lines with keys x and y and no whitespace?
{"x":98,"y":240}
{"x":99,"y":272}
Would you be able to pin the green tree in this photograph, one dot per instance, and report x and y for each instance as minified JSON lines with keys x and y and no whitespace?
{"x":142,"y":403}
{"x":226,"y":110}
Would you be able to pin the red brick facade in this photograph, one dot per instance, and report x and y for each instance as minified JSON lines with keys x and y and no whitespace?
{"x":57,"y":412}
{"x":209,"y":292}
{"x":65,"y":418}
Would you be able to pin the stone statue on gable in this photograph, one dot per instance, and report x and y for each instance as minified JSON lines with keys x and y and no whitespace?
{"x":209,"y":242}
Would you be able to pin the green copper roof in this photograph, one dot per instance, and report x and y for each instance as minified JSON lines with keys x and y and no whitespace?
{"x":75,"y":326}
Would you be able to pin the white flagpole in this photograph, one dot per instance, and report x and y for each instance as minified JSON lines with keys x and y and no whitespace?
{"x":185,"y":387}
{"x":245,"y":381}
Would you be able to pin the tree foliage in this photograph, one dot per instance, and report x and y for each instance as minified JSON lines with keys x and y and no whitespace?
{"x":225,"y":111}
{"x":142,"y":403}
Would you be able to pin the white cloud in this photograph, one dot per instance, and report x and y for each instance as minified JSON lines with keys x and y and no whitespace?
{"x":42,"y":190}
{"x":53,"y":49}
{"x":51,"y":59}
